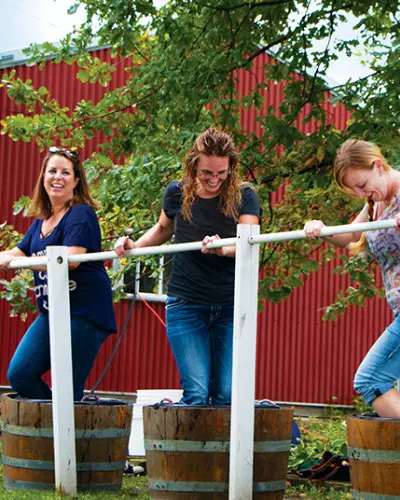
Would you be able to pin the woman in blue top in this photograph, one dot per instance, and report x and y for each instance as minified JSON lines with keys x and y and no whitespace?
{"x":362,"y":171}
{"x":65,"y":211}
{"x":206,"y":205}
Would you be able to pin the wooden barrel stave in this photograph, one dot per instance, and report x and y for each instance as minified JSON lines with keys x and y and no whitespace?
{"x":374,"y":453}
{"x":102,"y":436}
{"x":187,"y":452}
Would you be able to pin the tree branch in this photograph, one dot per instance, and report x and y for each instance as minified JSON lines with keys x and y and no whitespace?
{"x":264,"y":49}
{"x":248,"y":4}
{"x":250,"y":171}
{"x":342,"y":85}
{"x":119,"y":110}
{"x":272,"y":177}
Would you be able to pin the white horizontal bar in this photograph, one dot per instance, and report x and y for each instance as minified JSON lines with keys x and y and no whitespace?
{"x":148,"y":297}
{"x":326,"y":231}
{"x":24,"y":262}
{"x":163,"y":249}
{"x":86,"y":257}
{"x":197,"y":245}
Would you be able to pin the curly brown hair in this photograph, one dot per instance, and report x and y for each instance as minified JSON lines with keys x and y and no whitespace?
{"x":40,"y":205}
{"x":212,"y":142}
{"x":357,"y":154}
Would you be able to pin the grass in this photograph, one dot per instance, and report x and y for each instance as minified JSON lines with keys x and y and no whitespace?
{"x":317,"y":435}
{"x":134,"y":487}
{"x":316,"y":493}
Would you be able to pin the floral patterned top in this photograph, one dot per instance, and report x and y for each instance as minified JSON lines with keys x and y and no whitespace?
{"x":384,"y":245}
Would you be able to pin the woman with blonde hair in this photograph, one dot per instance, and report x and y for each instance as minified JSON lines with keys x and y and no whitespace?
{"x":65,"y":216}
{"x":361,"y":170}
{"x":206,"y":205}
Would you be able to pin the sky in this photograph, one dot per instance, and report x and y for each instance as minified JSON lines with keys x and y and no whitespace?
{"x":30,"y":21}
{"x":27,"y":21}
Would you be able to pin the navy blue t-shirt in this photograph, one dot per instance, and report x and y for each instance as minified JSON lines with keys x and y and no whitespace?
{"x":89,"y":285}
{"x":206,"y":279}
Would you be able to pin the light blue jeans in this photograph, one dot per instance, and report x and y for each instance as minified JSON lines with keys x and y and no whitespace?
{"x":201,"y":338}
{"x":381,"y":366}
{"x":31,"y":359}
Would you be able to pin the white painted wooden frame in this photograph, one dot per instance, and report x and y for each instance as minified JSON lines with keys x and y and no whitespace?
{"x":244,"y":364}
{"x":61,"y":372}
{"x":244,"y":350}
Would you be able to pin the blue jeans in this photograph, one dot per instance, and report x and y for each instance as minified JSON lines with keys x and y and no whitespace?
{"x":201,"y":338}
{"x":381,"y":366}
{"x":31,"y":359}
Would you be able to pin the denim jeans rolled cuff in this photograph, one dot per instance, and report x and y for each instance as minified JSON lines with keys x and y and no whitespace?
{"x":370,"y":392}
{"x":381,"y":366}
{"x":201,"y":339}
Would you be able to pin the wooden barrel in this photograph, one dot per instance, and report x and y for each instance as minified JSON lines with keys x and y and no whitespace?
{"x":374,"y":453}
{"x":187,"y":451}
{"x":102,"y":435}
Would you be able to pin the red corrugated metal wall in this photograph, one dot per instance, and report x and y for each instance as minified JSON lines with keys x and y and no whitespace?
{"x":299,"y":356}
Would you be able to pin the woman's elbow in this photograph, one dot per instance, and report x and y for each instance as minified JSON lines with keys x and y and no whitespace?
{"x":73,"y":265}
{"x":166,"y":232}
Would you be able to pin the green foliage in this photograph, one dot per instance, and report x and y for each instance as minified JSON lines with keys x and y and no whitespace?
{"x":360,"y":406}
{"x":317,"y":436}
{"x":22,"y":205}
{"x":16,"y":293}
{"x":9,"y":238}
{"x":363,"y":278}
{"x":183,"y":61}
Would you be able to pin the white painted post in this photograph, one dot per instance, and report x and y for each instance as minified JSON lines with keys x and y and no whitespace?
{"x":137,"y":277}
{"x":61,"y":372}
{"x":244,"y":365}
{"x":160,"y":289}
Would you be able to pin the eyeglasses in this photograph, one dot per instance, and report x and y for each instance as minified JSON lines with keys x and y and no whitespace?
{"x":68,"y":152}
{"x":210,"y":175}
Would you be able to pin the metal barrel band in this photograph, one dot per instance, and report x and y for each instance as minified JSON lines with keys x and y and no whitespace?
{"x":211,"y":487}
{"x":186,"y":486}
{"x":266,"y":486}
{"x":374,"y":455}
{"x":211,"y":446}
{"x":79,"y":433}
{"x":12,"y":484}
{"x":47,"y":465}
{"x":365,"y":495}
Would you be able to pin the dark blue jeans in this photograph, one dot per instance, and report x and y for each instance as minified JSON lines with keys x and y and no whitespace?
{"x":31,"y":359}
{"x":201,"y":338}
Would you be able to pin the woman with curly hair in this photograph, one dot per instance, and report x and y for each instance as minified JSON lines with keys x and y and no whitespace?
{"x":361,"y":170}
{"x":206,"y":205}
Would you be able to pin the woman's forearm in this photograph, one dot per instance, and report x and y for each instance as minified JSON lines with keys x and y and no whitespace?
{"x":341,"y":240}
{"x":157,"y":235}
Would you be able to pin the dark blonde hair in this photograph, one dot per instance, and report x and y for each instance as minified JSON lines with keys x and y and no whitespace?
{"x":40,"y":205}
{"x":212,"y":142}
{"x":360,"y":155}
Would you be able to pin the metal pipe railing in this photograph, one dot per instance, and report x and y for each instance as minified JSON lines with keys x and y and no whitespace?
{"x":27,"y":262}
{"x":326,"y":231}
{"x":246,"y":285}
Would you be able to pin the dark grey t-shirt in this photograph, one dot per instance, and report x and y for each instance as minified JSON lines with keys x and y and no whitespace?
{"x":204,"y":278}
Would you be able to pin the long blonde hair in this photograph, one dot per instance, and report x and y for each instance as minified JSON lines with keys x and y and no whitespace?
{"x":357,"y":154}
{"x":40,"y":205}
{"x":212,"y":142}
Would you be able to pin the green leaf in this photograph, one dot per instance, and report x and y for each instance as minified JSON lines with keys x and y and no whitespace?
{"x":73,"y":9}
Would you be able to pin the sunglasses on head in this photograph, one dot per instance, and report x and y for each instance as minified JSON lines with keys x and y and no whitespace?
{"x":68,"y":152}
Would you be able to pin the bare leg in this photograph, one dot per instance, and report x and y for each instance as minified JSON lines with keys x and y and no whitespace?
{"x":388,"y":405}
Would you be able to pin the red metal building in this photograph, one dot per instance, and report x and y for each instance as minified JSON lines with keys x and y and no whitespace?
{"x":300,"y":358}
